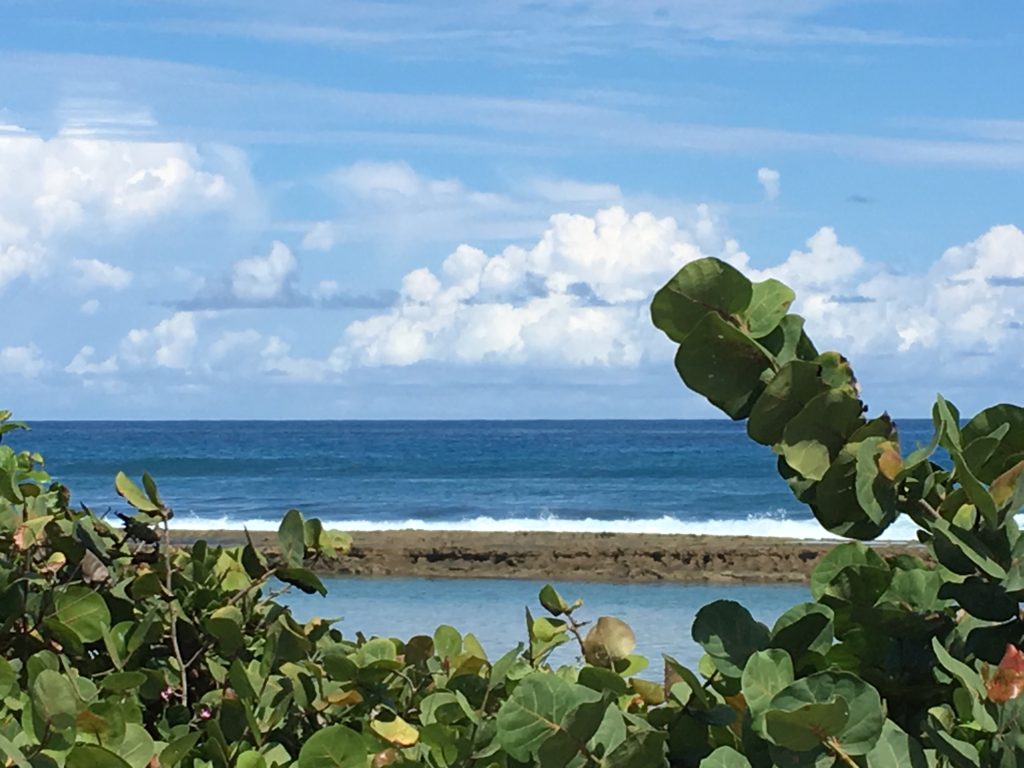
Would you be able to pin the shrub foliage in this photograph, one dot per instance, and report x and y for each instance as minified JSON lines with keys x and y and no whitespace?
{"x":119,"y":648}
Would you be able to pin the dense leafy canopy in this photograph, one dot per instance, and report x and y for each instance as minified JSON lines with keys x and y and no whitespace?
{"x":119,"y":648}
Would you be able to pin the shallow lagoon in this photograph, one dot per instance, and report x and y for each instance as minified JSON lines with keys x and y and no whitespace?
{"x":493,"y":609}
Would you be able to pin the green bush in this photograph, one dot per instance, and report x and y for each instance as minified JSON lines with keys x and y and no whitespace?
{"x":121,"y":649}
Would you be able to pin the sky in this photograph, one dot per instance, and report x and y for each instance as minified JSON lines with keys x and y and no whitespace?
{"x":365,"y":210}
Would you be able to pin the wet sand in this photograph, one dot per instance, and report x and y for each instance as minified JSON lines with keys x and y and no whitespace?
{"x":610,"y":557}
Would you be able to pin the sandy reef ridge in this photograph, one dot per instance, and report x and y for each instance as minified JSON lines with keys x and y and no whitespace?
{"x":612,"y":557}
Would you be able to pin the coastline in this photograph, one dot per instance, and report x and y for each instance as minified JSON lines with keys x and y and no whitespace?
{"x":604,"y":557}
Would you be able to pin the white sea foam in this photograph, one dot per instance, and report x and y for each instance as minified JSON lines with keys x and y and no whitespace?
{"x":772,"y":526}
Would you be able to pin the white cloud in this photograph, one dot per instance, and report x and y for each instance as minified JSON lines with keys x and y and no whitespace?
{"x":321,"y":236}
{"x":576,"y":297}
{"x":90,"y":307}
{"x":82,"y":364}
{"x":769,"y":179}
{"x":86,"y":186}
{"x":264,"y":278}
{"x":24,"y":361}
{"x":169,"y":344}
{"x":20,"y":261}
{"x":93,"y":273}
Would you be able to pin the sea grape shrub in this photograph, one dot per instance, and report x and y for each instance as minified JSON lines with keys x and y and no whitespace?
{"x":919,"y":659}
{"x":119,"y":648}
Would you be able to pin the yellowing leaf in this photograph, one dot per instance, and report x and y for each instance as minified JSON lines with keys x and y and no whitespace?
{"x":890,"y":463}
{"x":1003,"y":487}
{"x":397,"y":732}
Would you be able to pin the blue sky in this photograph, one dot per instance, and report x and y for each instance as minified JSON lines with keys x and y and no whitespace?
{"x":399,"y":210}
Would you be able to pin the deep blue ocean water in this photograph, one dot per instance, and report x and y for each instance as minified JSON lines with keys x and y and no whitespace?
{"x":653,"y":476}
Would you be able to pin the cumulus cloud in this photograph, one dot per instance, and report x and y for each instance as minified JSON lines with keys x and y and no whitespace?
{"x":70,"y":185}
{"x":576,"y":297}
{"x":20,"y":261}
{"x":264,"y":278}
{"x":25,"y":361}
{"x":82,"y":364}
{"x":770,"y":180}
{"x":93,"y":273}
{"x":168,"y":344}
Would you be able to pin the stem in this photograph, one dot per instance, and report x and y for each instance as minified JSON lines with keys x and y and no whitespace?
{"x":836,"y":749}
{"x":173,"y":614}
{"x":928,"y":508}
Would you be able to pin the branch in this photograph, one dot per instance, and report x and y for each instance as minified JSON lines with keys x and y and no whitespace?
{"x":173,"y":614}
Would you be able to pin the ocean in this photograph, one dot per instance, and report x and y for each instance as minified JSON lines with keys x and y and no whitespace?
{"x":698,"y":477}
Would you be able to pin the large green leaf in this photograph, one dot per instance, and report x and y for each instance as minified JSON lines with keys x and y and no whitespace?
{"x":796,"y":383}
{"x":1010,"y":447}
{"x":846,"y":508}
{"x":54,"y":702}
{"x":138,"y":748}
{"x":702,"y":286}
{"x":134,"y":495}
{"x":336,"y":746}
{"x":303,"y":578}
{"x":729,"y":634}
{"x":724,"y":364}
{"x":765,"y":675}
{"x":789,"y":342}
{"x":84,"y":611}
{"x":826,"y":706}
{"x":804,"y":627}
{"x":725,"y":757}
{"x":538,"y":708}
{"x":93,"y":757}
{"x":839,"y":558}
{"x":291,"y":538}
{"x":769,"y":302}
{"x":896,"y":748}
{"x":814,"y":436}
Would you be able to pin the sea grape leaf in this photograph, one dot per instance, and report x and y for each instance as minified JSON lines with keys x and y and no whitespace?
{"x":796,"y":383}
{"x":291,"y":537}
{"x":729,"y":635}
{"x":896,"y":748}
{"x":769,"y":302}
{"x":54,"y":702}
{"x":303,"y":578}
{"x":789,"y":342}
{"x":1012,"y":444}
{"x":725,"y":757}
{"x":764,"y":676}
{"x":91,"y":756}
{"x":84,"y":611}
{"x":336,"y":746}
{"x":814,"y":436}
{"x":130,"y":492}
{"x":838,"y":558}
{"x":836,"y":705}
{"x":137,"y":748}
{"x":720,"y":362}
{"x":702,"y":286}
{"x":537,"y":708}
{"x":804,"y":627}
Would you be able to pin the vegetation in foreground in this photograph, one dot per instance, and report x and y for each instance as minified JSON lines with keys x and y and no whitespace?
{"x":118,"y":649}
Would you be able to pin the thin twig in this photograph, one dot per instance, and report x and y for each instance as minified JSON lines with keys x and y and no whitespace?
{"x":172,"y":613}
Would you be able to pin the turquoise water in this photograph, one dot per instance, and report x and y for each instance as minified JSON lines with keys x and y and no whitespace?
{"x":493,"y":609}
